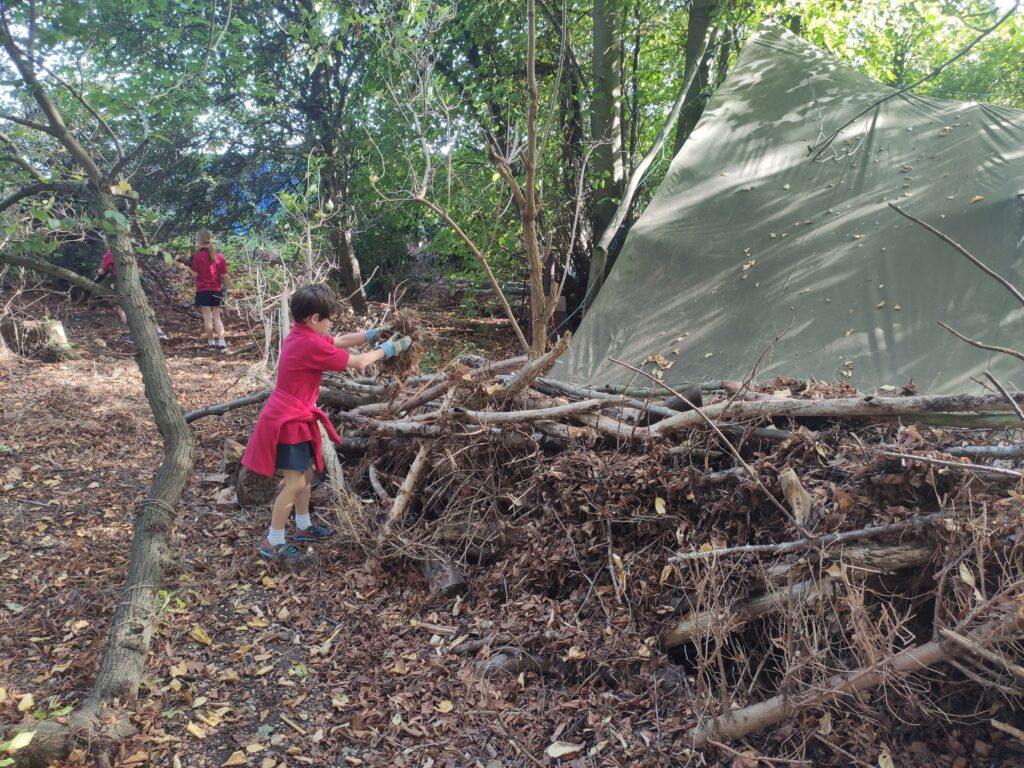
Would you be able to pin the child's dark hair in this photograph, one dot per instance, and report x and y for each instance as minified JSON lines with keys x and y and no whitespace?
{"x":311,"y":300}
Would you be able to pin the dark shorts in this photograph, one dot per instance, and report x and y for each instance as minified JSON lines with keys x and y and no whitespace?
{"x":209,"y":298}
{"x":298,"y":456}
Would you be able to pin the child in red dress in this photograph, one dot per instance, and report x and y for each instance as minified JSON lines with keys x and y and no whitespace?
{"x":287,"y":433}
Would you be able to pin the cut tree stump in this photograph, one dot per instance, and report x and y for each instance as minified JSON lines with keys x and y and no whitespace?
{"x":41,"y":339}
{"x":255,"y":490}
{"x":443,"y":577}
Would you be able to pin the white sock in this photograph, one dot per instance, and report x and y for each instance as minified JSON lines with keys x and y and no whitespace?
{"x":222,"y":343}
{"x":302,"y":522}
{"x":275,"y":536}
{"x":209,"y":343}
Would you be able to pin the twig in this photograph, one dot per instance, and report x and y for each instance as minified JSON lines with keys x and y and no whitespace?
{"x":963,"y":251}
{"x":1015,"y":669}
{"x":1005,"y":394}
{"x":955,"y":464}
{"x":725,"y":441}
{"x":1006,"y":728}
{"x":816,"y":542}
{"x":298,"y":728}
{"x":982,"y":345}
{"x":758,"y":758}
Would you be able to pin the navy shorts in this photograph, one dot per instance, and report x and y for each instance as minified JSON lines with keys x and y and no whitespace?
{"x":209,"y":298}
{"x":295,"y":456}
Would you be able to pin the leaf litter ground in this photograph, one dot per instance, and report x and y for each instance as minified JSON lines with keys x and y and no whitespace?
{"x":349,"y":662}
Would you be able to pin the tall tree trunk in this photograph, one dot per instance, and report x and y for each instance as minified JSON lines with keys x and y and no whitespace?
{"x":700,"y":57}
{"x":344,"y":261}
{"x":606,"y":126}
{"x":529,"y":212}
{"x":572,"y":221}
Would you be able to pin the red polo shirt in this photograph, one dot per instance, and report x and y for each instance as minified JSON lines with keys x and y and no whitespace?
{"x":209,"y":270}
{"x":304,"y":358}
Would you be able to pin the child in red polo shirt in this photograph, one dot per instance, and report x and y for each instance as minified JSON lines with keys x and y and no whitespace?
{"x":287,"y":433}
{"x":107,"y":277}
{"x":211,"y":281}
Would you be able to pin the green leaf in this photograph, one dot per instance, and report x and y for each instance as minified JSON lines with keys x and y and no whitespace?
{"x":20,"y":741}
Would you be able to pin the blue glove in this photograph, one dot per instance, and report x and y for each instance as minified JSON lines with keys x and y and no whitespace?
{"x":393,"y":347}
{"x":371,"y":335}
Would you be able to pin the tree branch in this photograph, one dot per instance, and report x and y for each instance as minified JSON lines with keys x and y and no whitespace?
{"x":36,"y":189}
{"x":818,"y":149}
{"x":981,"y":345}
{"x":20,"y":161}
{"x":963,"y":251}
{"x":422,"y":200}
{"x":44,"y":267}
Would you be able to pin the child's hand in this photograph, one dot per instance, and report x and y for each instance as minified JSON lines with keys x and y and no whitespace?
{"x":393,"y":347}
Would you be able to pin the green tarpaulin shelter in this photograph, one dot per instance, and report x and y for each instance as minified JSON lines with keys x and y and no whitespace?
{"x":751,"y":235}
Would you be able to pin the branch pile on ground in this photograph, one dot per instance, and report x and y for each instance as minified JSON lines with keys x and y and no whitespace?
{"x":803,"y":567}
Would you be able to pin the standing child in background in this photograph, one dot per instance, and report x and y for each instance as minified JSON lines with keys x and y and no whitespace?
{"x":211,"y":281}
{"x":107,"y":277}
{"x":287,"y":433}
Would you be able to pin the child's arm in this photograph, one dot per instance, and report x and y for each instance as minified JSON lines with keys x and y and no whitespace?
{"x":385,"y":349}
{"x":355,"y":339}
{"x":369,"y":336}
{"x":365,"y":360}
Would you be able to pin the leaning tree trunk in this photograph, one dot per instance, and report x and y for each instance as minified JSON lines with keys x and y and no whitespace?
{"x":124,"y":657}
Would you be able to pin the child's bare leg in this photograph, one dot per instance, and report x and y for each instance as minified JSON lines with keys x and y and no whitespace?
{"x":207,"y":313}
{"x":218,"y":325}
{"x":294,"y":484}
{"x":302,"y":521}
{"x":120,"y":314}
{"x":307,"y":532}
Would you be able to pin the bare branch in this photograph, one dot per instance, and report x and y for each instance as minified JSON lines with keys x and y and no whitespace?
{"x":423,"y":200}
{"x":89,"y":107}
{"x":28,"y":124}
{"x":36,"y":189}
{"x":981,"y":345}
{"x":973,"y":259}
{"x":16,"y":157}
{"x":817,"y":542}
{"x":1005,"y":394}
{"x":818,"y":149}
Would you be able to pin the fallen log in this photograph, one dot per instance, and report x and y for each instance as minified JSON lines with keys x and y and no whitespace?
{"x":737,"y":723}
{"x":551,"y":387}
{"x":698,"y":624}
{"x":986,"y":451}
{"x":867,"y":406}
{"x":815,"y":542}
{"x":328,"y":396}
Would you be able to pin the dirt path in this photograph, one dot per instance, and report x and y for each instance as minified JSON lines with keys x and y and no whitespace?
{"x":336,"y":665}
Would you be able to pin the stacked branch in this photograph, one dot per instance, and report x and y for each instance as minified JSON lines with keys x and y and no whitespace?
{"x":832,"y":538}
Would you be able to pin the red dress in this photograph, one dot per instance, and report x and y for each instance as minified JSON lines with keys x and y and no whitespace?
{"x":290,"y":414}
